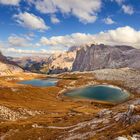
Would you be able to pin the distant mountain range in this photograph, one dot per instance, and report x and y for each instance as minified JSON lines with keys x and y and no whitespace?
{"x":30,"y":63}
{"x":8,"y":67}
{"x":56,"y":63}
{"x":87,"y":58}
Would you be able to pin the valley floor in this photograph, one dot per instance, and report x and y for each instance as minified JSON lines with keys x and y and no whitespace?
{"x":43,"y":113}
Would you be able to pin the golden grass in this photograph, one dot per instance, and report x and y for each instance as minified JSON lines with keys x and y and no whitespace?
{"x":57,"y":111}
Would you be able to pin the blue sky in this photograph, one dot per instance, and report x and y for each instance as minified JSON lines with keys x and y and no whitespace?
{"x":43,"y":27}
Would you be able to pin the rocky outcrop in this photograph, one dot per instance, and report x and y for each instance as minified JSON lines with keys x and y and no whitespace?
{"x":13,"y":115}
{"x":102,"y":56}
{"x":105,"y":120}
{"x":130,"y":117}
{"x":134,"y":137}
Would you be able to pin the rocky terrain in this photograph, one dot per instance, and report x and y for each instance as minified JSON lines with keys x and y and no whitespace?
{"x":8,"y":67}
{"x":126,"y":77}
{"x":102,"y":56}
{"x":105,"y":120}
{"x":28,"y":112}
{"x":61,"y":62}
{"x":13,"y":115}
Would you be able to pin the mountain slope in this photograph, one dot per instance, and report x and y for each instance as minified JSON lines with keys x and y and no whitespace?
{"x":103,"y":56}
{"x":56,"y":63}
{"x":8,"y":67}
{"x":33,"y":64}
{"x":61,"y":62}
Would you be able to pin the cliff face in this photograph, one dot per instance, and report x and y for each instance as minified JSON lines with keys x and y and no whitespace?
{"x":8,"y":67}
{"x":103,"y":56}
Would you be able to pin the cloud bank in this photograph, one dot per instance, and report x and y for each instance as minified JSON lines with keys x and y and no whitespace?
{"x":27,"y":52}
{"x":120,"y":36}
{"x":56,"y":44}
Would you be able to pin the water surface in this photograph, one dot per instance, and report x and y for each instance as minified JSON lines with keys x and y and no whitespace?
{"x":41,"y":82}
{"x":101,"y":93}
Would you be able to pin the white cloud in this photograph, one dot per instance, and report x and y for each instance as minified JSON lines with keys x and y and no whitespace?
{"x":108,"y":20}
{"x":23,"y":52}
{"x":120,"y":1}
{"x":31,"y":21}
{"x":17,"y":41}
{"x":120,"y":36}
{"x":54,"y":19}
{"x":21,"y":41}
{"x":10,"y":2}
{"x":85,"y":10}
{"x":128,"y":9}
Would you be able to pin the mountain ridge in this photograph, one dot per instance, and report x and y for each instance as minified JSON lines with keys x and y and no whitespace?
{"x":8,"y":67}
{"x":104,"y":56}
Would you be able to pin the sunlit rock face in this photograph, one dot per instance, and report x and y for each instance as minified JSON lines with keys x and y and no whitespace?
{"x":104,"y":56}
{"x":8,"y":67}
{"x":63,"y":62}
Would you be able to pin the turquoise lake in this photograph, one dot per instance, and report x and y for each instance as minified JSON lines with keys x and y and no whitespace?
{"x":100,"y":93}
{"x":104,"y":93}
{"x":41,"y":82}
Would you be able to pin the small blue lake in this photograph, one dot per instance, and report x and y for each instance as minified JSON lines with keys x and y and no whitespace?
{"x":41,"y":82}
{"x":101,"y":93}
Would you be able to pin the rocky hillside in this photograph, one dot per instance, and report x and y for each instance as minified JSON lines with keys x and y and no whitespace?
{"x":102,"y":56}
{"x":56,"y":63}
{"x":59,"y":63}
{"x":33,"y":64}
{"x":8,"y":67}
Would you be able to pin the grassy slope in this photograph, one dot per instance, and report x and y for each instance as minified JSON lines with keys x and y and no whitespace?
{"x":58,"y":112}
